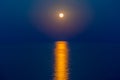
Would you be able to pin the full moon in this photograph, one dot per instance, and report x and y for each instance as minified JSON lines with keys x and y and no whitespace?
{"x":61,"y":15}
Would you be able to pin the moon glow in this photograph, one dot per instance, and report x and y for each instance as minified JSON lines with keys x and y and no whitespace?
{"x":61,"y":21}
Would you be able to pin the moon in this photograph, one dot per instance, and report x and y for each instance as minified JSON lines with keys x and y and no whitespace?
{"x":61,"y":15}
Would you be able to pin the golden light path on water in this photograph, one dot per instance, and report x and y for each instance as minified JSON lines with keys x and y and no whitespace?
{"x":61,"y":61}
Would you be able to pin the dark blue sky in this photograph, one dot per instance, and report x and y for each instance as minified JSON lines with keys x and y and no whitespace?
{"x":26,"y":53}
{"x":16,"y":26}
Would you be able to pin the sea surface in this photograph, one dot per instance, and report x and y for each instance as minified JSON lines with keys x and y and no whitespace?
{"x":87,"y":61}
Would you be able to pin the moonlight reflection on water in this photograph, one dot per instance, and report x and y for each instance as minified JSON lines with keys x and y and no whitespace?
{"x":61,"y":61}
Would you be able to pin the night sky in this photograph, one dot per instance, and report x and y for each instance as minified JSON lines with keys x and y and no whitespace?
{"x":26,"y":53}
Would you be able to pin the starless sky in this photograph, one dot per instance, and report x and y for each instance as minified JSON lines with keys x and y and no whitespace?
{"x":16,"y":25}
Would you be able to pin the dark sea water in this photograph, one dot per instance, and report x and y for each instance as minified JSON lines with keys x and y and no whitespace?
{"x":92,"y":61}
